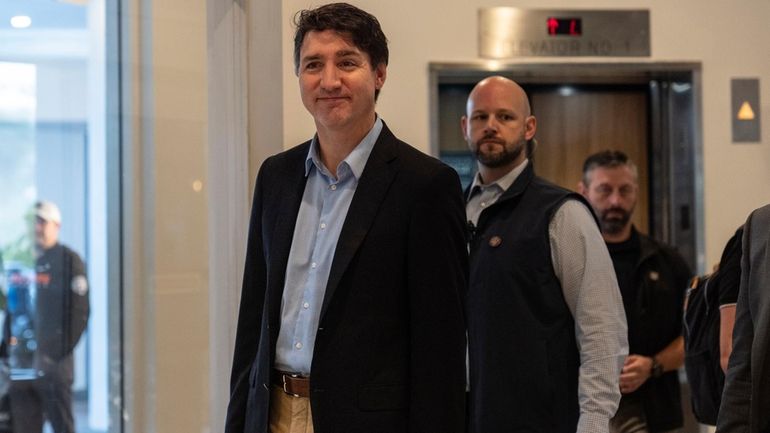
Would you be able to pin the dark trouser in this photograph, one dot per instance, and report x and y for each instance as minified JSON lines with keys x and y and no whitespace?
{"x":34,"y":401}
{"x":630,"y":418}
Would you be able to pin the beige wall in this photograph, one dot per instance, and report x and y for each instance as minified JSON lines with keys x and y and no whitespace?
{"x":166,"y":306}
{"x":729,"y":39}
{"x":180,"y":247}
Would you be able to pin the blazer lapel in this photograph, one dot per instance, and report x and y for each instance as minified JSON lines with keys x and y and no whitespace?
{"x":292,"y":187}
{"x":371,"y":190}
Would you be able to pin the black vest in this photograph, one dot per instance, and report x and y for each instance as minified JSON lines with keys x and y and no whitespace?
{"x":524,"y":359}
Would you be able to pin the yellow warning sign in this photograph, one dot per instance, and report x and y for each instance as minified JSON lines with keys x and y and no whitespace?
{"x":746,"y":112}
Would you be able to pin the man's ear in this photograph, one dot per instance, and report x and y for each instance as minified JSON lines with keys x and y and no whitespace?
{"x":530,"y":125}
{"x":582,"y":189}
{"x":464,"y":127}
{"x":380,"y":74}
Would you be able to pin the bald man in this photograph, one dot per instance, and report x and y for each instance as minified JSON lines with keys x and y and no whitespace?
{"x":546,"y":326}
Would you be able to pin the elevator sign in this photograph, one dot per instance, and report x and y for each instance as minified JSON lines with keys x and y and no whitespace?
{"x":506,"y":32}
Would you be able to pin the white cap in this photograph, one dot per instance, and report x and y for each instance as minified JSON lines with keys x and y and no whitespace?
{"x":48,"y":211}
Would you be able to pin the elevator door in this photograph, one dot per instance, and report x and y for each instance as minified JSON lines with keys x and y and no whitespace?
{"x":576,"y":121}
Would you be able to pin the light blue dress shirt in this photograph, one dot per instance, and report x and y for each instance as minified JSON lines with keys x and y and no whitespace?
{"x":321,"y":215}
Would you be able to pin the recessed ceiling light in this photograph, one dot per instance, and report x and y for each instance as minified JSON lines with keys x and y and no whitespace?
{"x":21,"y":22}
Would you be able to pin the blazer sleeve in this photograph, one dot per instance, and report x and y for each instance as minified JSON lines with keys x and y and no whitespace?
{"x":250,"y":312}
{"x":437,"y":273}
{"x":736,"y":397}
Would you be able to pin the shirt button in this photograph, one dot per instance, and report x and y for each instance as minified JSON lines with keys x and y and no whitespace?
{"x":313,"y":265}
{"x":483,"y":204}
{"x":306,"y":305}
{"x":323,"y":226}
{"x":333,"y":187}
{"x":298,"y":345}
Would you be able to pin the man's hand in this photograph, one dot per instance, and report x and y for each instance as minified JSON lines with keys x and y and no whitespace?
{"x":636,"y":370}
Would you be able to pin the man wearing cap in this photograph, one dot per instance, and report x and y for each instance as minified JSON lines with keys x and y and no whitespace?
{"x":61,"y":315}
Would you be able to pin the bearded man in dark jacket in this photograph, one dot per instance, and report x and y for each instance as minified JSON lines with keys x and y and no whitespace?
{"x":653,"y":281}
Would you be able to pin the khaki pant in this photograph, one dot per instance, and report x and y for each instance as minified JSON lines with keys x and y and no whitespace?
{"x":289,"y":414}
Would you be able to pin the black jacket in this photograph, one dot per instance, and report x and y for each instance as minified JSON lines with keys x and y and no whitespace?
{"x":654,"y":317}
{"x":61,"y":310}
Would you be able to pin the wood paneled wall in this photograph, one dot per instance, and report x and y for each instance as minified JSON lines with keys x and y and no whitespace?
{"x":574,"y":123}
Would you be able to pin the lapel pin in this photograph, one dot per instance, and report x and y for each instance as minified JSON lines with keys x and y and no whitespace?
{"x":654,"y":276}
{"x":495,"y":241}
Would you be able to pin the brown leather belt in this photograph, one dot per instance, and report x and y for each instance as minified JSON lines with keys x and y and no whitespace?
{"x":292,"y":384}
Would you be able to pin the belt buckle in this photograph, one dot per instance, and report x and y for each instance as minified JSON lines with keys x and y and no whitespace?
{"x":283,"y":382}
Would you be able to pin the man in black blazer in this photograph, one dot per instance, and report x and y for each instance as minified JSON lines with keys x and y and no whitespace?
{"x":746,"y":397}
{"x":351,"y":316}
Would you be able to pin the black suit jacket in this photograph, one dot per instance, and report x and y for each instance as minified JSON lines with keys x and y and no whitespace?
{"x":389,"y":353}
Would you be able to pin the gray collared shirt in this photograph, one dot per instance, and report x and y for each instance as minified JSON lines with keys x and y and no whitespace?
{"x":584,"y":269}
{"x":322,"y":213}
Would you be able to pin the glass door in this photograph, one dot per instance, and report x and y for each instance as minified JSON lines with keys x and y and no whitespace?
{"x":57,"y":172}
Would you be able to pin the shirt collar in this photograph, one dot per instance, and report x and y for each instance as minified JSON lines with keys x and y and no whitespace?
{"x":356,"y":160}
{"x":503,"y":183}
